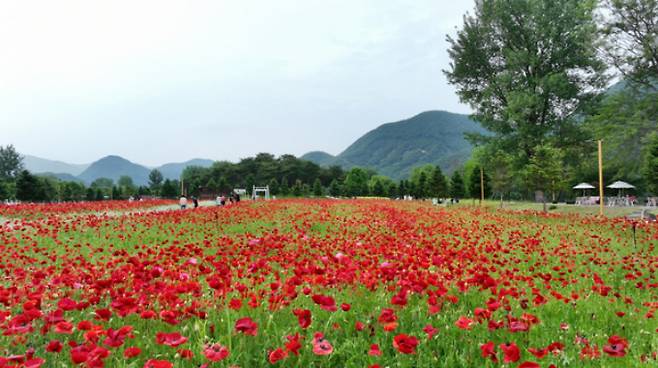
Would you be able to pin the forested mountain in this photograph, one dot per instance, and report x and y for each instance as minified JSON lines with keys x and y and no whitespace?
{"x":42,"y":165}
{"x":113,"y":167}
{"x":394,"y":149}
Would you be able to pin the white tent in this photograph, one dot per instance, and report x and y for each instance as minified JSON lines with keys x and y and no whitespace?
{"x":584,"y":186}
{"x":621,"y":185}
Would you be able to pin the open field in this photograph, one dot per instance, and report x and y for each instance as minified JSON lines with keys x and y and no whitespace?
{"x":327,"y":283}
{"x":560,"y":208}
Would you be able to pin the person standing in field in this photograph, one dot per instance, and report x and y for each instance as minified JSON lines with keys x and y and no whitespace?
{"x":182,"y":202}
{"x":195,"y":200}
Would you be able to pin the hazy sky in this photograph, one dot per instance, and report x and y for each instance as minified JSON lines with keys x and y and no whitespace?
{"x":160,"y":81}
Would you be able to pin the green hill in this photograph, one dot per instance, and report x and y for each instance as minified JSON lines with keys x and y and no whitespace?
{"x":394,"y":149}
{"x":114,"y":167}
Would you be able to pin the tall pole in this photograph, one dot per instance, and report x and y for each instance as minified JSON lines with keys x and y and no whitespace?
{"x":481,"y":185}
{"x":600,"y":179}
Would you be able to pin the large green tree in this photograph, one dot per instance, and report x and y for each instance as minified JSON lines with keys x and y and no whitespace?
{"x":356,"y":182}
{"x":474,"y":181}
{"x":11,"y":163}
{"x":527,"y":67}
{"x":457,"y":189}
{"x":545,"y":172}
{"x":631,"y":27}
{"x":155,"y":180}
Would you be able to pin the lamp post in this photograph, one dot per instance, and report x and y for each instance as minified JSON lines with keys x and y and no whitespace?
{"x":600,"y":179}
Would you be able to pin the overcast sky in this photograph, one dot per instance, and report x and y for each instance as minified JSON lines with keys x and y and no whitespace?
{"x":161,"y":81}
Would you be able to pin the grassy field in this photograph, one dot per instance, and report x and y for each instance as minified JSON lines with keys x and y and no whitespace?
{"x":328,"y":283}
{"x":561,"y":208}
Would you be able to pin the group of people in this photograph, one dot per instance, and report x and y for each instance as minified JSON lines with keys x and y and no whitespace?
{"x":233,"y":198}
{"x":183,"y":202}
{"x":221,"y":200}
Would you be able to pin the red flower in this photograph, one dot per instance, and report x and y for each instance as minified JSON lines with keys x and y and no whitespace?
{"x":538,"y":353}
{"x":489,"y":351}
{"x":464,"y":323}
{"x":529,"y":365}
{"x":235,"y":304}
{"x":320,"y":345}
{"x":247,"y":326}
{"x":277,"y":355}
{"x":325,"y":302}
{"x":64,"y":328}
{"x":511,"y":352}
{"x":387,"y":316}
{"x":152,"y":363}
{"x":405,"y":344}
{"x":590,"y":352}
{"x":132,"y":352}
{"x":171,"y":339}
{"x":186,"y":353}
{"x":616,"y":346}
{"x":430,"y":331}
{"x":293,"y":345}
{"x":215,"y":352}
{"x":303,"y":317}
{"x":374,"y":350}
{"x":54,"y":346}
{"x":345,"y":307}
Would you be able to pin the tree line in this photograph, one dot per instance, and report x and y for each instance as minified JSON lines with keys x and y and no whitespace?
{"x":536,"y":73}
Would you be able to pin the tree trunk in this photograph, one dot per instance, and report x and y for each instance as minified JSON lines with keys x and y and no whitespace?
{"x":501,"y":200}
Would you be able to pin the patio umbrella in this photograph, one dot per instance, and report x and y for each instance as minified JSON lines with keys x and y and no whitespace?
{"x":584,"y":187}
{"x":621,"y":185}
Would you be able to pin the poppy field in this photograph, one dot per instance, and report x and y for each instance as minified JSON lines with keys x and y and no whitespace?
{"x":325,"y":283}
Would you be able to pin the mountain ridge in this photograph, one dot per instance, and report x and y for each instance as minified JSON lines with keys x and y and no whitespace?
{"x":395,"y":148}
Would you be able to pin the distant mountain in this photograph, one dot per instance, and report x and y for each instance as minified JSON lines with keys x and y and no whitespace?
{"x":173,"y":170}
{"x":41,"y":165}
{"x":394,"y":149}
{"x":114,"y":167}
{"x":319,"y":157}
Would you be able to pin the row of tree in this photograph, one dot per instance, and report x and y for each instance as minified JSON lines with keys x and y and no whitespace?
{"x":536,"y":73}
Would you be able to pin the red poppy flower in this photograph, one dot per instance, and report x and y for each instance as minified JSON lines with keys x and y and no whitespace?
{"x":464,"y":323}
{"x":303,"y":317}
{"x":538,"y":353}
{"x":529,"y":365}
{"x":430,"y":331}
{"x":616,"y":347}
{"x":215,"y":352}
{"x":247,"y":326}
{"x":405,"y":344}
{"x":293,"y":345}
{"x":171,"y":339}
{"x":489,"y":351}
{"x":277,"y":355}
{"x":387,"y":316}
{"x":511,"y":352}
{"x":152,"y":363}
{"x":54,"y":346}
{"x":325,"y":302}
{"x":374,"y":350}
{"x":590,"y":352}
{"x":132,"y":352}
{"x":321,"y":346}
{"x":186,"y":353}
